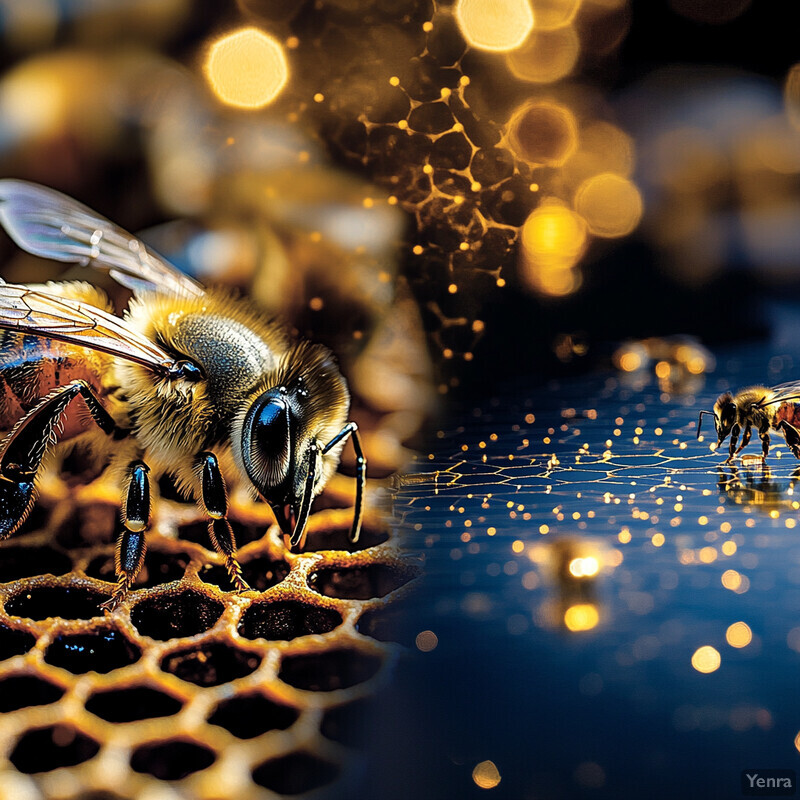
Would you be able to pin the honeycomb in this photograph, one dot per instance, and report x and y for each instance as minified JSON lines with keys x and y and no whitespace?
{"x":221,"y":694}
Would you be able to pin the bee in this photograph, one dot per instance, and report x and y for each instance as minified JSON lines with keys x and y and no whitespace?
{"x":192,"y":383}
{"x":759,"y":407}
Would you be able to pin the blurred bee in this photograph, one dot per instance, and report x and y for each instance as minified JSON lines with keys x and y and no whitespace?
{"x":760,"y":408}
{"x":191,"y":383}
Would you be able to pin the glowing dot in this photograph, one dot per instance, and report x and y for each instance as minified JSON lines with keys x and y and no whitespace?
{"x":394,"y":80}
{"x":427,"y":26}
{"x":445,"y":93}
{"x":426,"y":641}
{"x":478,"y":325}
{"x":584,"y":567}
{"x":316,"y":303}
{"x":739,"y":634}
{"x":708,"y":554}
{"x":517,"y":546}
{"x":663,"y":369}
{"x":292,"y":43}
{"x":729,"y":547}
{"x":486,"y":775}
{"x":501,"y":282}
{"x":447,"y":353}
{"x":630,"y":362}
{"x":581,"y":617}
{"x":706,"y":659}
{"x":498,"y":26}
{"x":610,"y":204}
{"x":247,"y":68}
{"x":402,"y":124}
{"x":658,"y":539}
{"x":546,"y":56}
{"x":544,"y":529}
{"x":319,"y":97}
{"x":543,"y":133}
{"x":452,"y":288}
{"x":417,"y":250}
{"x":428,"y":169}
{"x":624,"y":536}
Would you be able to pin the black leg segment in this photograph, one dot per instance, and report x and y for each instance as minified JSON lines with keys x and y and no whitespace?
{"x":351,"y":430}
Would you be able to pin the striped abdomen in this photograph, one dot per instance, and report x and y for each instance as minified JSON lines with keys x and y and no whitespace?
{"x":789,"y":411}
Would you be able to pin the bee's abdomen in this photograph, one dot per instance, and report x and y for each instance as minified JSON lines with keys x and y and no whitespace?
{"x":32,"y":366}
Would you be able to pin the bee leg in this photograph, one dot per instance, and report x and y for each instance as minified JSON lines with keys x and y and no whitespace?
{"x":748,"y":429}
{"x":351,"y":430}
{"x":792,"y":437}
{"x":734,"y":439}
{"x":764,"y":436}
{"x":131,"y":544}
{"x":215,"y":501}
{"x":23,"y":449}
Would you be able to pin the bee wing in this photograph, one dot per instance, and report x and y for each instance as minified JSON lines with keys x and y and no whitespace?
{"x":784,"y":392}
{"x":50,"y":224}
{"x":31,"y":311}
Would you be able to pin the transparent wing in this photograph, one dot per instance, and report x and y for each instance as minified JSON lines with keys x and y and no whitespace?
{"x":34,"y":312}
{"x":785,"y":392}
{"x":50,"y":224}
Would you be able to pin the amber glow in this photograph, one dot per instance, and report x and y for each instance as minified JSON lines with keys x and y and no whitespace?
{"x":494,"y":25}
{"x":426,"y":641}
{"x":486,"y":775}
{"x":546,"y":56}
{"x":581,"y":617}
{"x":554,"y":14}
{"x":543,"y":133}
{"x":706,"y":659}
{"x":791,"y":95}
{"x":247,"y":68}
{"x":584,"y":567}
{"x":739,"y":634}
{"x":610,"y":204}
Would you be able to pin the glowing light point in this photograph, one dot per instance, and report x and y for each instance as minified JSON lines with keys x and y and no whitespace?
{"x":739,"y":634}
{"x":486,"y":775}
{"x":498,"y":26}
{"x":247,"y":68}
{"x":581,"y":617}
{"x":610,"y":204}
{"x":706,"y":659}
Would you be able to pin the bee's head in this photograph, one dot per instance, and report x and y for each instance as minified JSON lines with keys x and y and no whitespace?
{"x":725,"y":416}
{"x":284,"y":430}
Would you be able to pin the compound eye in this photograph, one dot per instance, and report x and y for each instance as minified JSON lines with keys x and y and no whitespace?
{"x":267,"y":452}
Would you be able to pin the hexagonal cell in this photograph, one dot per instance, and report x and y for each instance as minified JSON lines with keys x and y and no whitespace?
{"x":20,"y":691}
{"x":159,"y":567}
{"x":260,"y":574}
{"x":24,"y":562}
{"x":287,"y":619}
{"x":359,"y":583}
{"x":45,"y":749}
{"x":171,"y":759}
{"x":67,"y":602}
{"x":172,"y":616}
{"x":14,"y":642}
{"x":295,"y":774}
{"x":346,"y":724}
{"x":210,"y":664}
{"x":101,"y":650}
{"x":339,"y":539}
{"x":132,"y":703}
{"x":329,"y":670}
{"x":250,"y":715}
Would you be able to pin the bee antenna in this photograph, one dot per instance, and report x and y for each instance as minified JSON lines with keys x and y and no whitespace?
{"x":700,"y":420}
{"x":308,"y":495}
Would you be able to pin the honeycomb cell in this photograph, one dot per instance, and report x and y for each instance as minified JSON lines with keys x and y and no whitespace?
{"x":339,"y":539}
{"x":101,"y":650}
{"x":491,"y":165}
{"x":210,"y":664}
{"x":359,"y":583}
{"x":451,"y":151}
{"x":426,"y":79}
{"x":452,"y":184}
{"x":19,"y":691}
{"x":171,"y":616}
{"x":159,"y":567}
{"x":171,"y":759}
{"x":510,"y":202}
{"x":445,"y":43}
{"x":24,"y":562}
{"x":431,"y":118}
{"x":67,"y":602}
{"x":132,"y":703}
{"x":329,"y":670}
{"x":260,"y":574}
{"x":287,"y":619}
{"x":347,"y":724}
{"x":385,"y":625}
{"x":46,"y":749}
{"x":14,"y":642}
{"x":249,"y":715}
{"x":296,"y":773}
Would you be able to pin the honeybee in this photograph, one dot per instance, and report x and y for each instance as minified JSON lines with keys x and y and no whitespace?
{"x":190,"y":382}
{"x":761,"y":408}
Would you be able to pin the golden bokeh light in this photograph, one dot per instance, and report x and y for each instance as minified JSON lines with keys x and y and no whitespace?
{"x":791,"y":95}
{"x":486,"y":775}
{"x":706,"y":659}
{"x":543,"y":133}
{"x":497,"y":26}
{"x":247,"y":68}
{"x":739,"y":634}
{"x":797,"y":741}
{"x":581,"y":617}
{"x":426,"y":641}
{"x":610,"y":204}
{"x":584,"y":567}
{"x":546,"y":56}
{"x":554,"y":14}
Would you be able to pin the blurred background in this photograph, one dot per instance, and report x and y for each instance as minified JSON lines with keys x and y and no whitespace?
{"x":456,"y":197}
